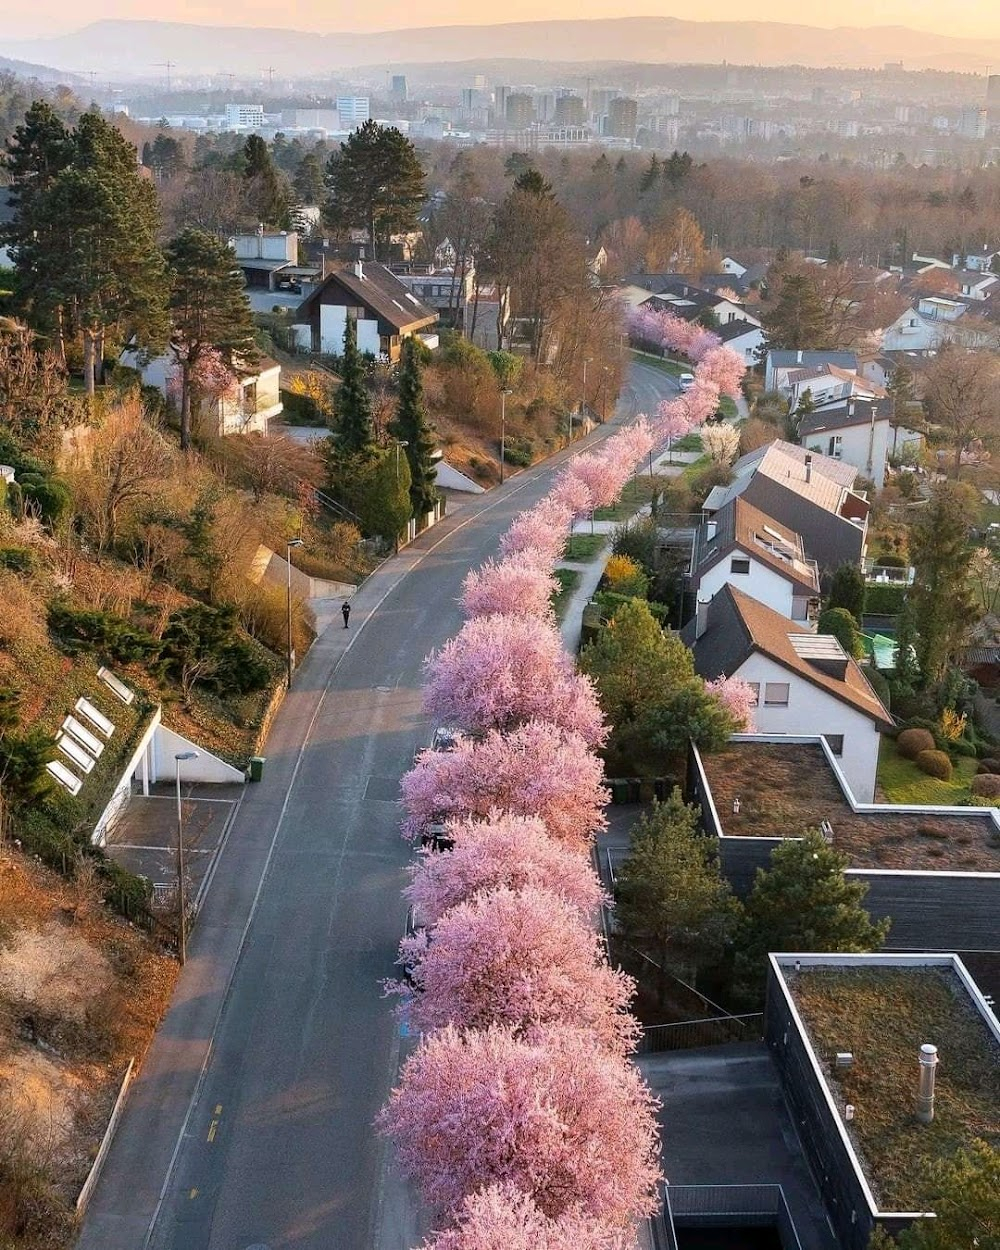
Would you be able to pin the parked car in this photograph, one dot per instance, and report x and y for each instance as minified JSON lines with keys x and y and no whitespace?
{"x":685,"y":381}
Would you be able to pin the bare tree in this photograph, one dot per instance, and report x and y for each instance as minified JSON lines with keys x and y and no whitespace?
{"x":962,"y":398}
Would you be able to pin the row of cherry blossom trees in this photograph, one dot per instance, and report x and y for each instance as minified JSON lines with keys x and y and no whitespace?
{"x":519,"y":1116}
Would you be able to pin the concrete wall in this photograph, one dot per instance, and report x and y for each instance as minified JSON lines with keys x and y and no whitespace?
{"x":166,"y":743}
{"x":812,"y":711}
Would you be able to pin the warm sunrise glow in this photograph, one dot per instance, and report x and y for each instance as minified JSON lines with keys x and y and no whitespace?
{"x":963,"y":18}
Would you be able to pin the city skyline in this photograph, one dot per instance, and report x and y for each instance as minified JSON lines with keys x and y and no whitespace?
{"x":965,"y":18}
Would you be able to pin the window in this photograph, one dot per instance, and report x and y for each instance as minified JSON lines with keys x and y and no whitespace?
{"x":776,"y":694}
{"x":835,"y":742}
{"x":739,"y":564}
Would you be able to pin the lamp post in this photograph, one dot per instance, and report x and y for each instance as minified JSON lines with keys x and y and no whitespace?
{"x":503,"y":429}
{"x":586,"y":362}
{"x":181,"y":909}
{"x":400,"y":442}
{"x":292,"y":542}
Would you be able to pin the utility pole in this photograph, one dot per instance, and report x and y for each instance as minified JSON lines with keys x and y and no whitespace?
{"x":290,"y":652}
{"x":179,"y":758}
{"x":503,"y":429}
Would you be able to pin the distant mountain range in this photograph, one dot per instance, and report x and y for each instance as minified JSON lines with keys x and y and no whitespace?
{"x":44,"y":73}
{"x":134,"y":48}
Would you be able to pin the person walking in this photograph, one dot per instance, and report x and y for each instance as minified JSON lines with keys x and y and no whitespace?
{"x":346,"y":609}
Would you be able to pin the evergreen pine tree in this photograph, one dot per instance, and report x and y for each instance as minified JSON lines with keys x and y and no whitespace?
{"x":376,"y":183}
{"x":411,"y":426}
{"x":355,"y":434}
{"x":209,"y":311}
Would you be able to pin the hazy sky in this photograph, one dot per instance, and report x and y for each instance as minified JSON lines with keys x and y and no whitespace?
{"x":960,"y":17}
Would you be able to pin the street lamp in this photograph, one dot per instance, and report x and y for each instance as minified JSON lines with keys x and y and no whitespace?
{"x":400,"y":442}
{"x":181,"y":909}
{"x":292,"y":542}
{"x":586,"y":361}
{"x":503,"y":428}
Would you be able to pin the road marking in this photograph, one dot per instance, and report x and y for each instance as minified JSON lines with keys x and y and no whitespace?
{"x":528,"y":478}
{"x":218,"y":1108}
{"x":213,"y":1127}
{"x":193,"y":1194}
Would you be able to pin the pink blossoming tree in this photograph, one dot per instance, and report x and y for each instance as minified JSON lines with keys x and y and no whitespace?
{"x":501,"y":671}
{"x":572,"y":493}
{"x":738,"y":697}
{"x":535,"y":770}
{"x":501,"y":1217}
{"x":519,"y":958}
{"x":723,"y":367}
{"x":539,"y":534}
{"x":564,"y":1122}
{"x":516,"y":586}
{"x":502,"y":850}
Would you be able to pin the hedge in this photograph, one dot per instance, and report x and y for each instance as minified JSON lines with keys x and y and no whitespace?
{"x":881,"y":600}
{"x":935,"y":764}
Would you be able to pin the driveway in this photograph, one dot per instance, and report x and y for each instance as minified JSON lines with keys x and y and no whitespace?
{"x":251,"y":1122}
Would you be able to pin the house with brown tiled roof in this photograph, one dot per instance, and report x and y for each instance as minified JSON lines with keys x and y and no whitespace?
{"x":383,"y":308}
{"x":805,"y":683}
{"x":742,"y":546}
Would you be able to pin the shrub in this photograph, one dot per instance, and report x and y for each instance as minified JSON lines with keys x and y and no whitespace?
{"x":986,"y":786}
{"x":17,"y":559}
{"x":92,"y":630}
{"x":934,"y":764}
{"x":842,"y":625}
{"x":201,"y":647}
{"x":883,"y":600}
{"x":889,"y":561}
{"x":518,"y":450}
{"x":911,"y":742}
{"x":624,"y":576}
{"x":988,"y":765}
{"x":45,"y":495}
{"x":880,"y":684}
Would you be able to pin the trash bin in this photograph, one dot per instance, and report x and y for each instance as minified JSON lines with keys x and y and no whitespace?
{"x":257,"y":763}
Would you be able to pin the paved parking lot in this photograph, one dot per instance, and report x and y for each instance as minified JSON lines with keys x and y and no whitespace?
{"x":143,"y":837}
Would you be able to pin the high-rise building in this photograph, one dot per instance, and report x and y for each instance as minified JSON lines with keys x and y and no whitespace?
{"x":241,"y":116}
{"x":623,"y":115}
{"x":993,"y":89}
{"x":972,"y":123}
{"x":570,"y":111}
{"x":500,"y":94}
{"x":354,"y":110}
{"x":520,"y":110}
{"x":398,"y":88}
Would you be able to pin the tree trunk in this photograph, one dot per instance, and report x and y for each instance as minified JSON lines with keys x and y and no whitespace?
{"x":61,"y":335}
{"x":186,"y":406}
{"x":99,"y":356}
{"x":89,"y":344}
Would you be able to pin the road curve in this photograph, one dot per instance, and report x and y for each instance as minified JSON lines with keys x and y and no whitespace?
{"x":250,"y":1125}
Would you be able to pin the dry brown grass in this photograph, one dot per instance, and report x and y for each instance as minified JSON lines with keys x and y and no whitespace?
{"x":883,"y":1016}
{"x":80,"y":994}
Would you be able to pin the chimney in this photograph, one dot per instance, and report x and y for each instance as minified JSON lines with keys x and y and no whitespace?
{"x":925,"y":1094}
{"x":809,"y":467}
{"x":798,"y":357}
{"x":359,"y":269}
{"x":701,"y":618}
{"x":711,"y":529}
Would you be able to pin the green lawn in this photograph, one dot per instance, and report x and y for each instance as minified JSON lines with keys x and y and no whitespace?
{"x":638,"y":492}
{"x":673,"y":367}
{"x":568,"y":580}
{"x":580,"y":547}
{"x":903,"y":782}
{"x":695,"y":467}
{"x":690,"y":442}
{"x":727,"y":406}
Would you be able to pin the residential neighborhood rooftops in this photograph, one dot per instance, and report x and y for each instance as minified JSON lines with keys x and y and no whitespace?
{"x":789,"y":359}
{"x":881,"y":1010}
{"x":820,"y":479}
{"x":739,"y":523}
{"x":736,"y":329}
{"x":840,"y":415}
{"x":784,"y":788}
{"x":379,"y":290}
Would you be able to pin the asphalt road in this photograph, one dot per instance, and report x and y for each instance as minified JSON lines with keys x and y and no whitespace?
{"x":250,"y":1126}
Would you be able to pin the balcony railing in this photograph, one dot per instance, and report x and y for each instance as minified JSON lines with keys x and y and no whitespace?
{"x":887,"y":575}
{"x":728,"y":1206}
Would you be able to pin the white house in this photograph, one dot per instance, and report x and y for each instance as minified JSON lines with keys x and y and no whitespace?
{"x":744,"y":338}
{"x":825,"y":383}
{"x":979,"y":258}
{"x":805,"y":683}
{"x":913,"y":332}
{"x":780,"y":359}
{"x":742,"y":546}
{"x":246,"y":407}
{"x":859,"y":432}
